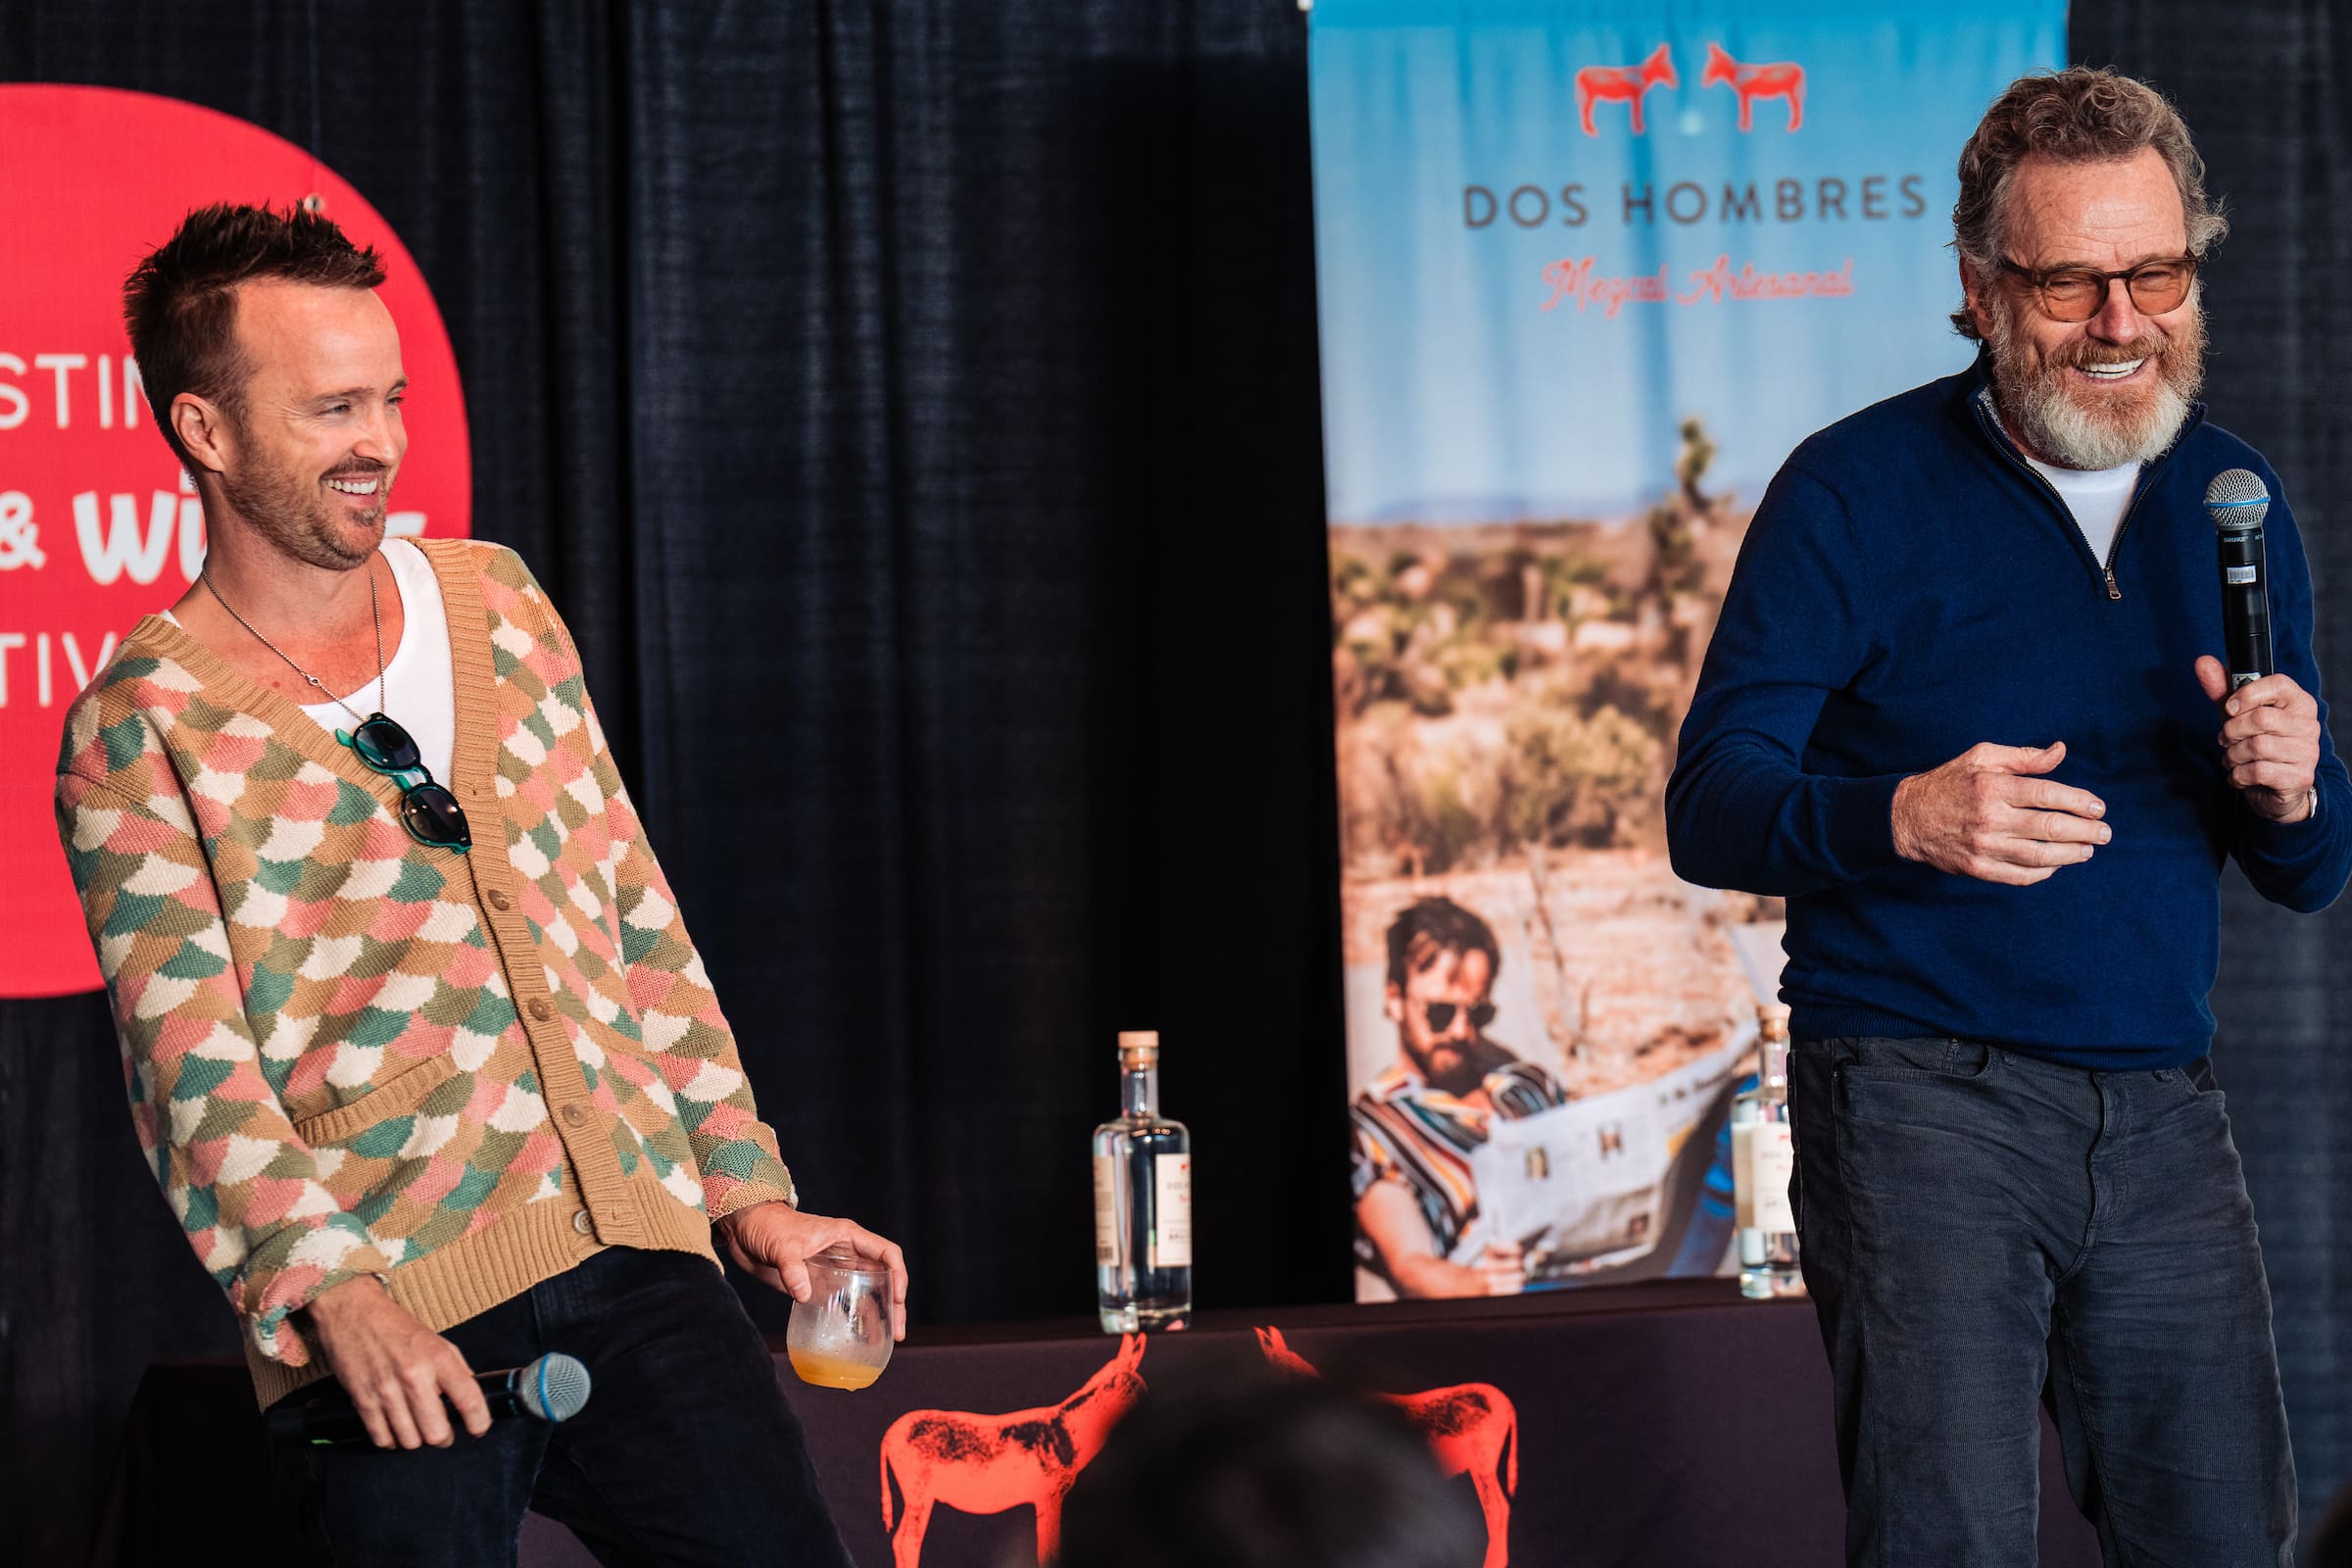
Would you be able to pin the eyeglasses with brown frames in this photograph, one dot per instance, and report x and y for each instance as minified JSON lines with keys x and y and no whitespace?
{"x":2079,"y":293}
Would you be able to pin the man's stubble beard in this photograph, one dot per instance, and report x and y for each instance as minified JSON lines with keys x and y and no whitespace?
{"x":291,"y":516}
{"x":2063,"y":421}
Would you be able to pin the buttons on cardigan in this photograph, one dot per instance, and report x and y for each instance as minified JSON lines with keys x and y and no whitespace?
{"x":499,"y":901}
{"x":542,"y":1009}
{"x":580,"y":1220}
{"x":574,"y":1115}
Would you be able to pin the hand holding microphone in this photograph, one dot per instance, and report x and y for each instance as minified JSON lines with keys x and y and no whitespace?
{"x":554,"y":1388}
{"x":2270,"y":740}
{"x":396,"y":1374}
{"x":2269,"y":734}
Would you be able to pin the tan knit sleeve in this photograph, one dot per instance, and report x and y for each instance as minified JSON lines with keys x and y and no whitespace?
{"x":249,"y":1192}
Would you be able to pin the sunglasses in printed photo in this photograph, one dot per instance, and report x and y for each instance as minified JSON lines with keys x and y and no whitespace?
{"x":1439,"y":1014}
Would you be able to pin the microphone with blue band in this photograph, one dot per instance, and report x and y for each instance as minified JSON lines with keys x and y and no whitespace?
{"x":2236,"y":502}
{"x":554,"y":1388}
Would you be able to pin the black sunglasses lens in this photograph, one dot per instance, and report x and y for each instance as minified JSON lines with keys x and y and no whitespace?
{"x":385,"y":747}
{"x":1441,"y":1013}
{"x":434,"y":815}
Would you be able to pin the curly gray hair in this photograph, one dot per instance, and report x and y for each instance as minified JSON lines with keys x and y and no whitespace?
{"x":2075,"y":115}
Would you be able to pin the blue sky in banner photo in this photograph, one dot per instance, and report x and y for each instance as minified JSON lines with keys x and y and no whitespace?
{"x":1457,"y":195}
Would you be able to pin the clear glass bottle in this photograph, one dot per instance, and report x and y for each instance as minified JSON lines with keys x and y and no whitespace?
{"x":1763,"y":1158}
{"x":1143,"y":1202}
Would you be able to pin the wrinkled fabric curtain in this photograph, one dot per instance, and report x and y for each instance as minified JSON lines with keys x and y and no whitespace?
{"x":2262,"y":88}
{"x":913,"y":406}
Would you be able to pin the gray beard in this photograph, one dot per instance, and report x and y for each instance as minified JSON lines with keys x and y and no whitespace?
{"x":2064,"y":433}
{"x":2044,"y":411}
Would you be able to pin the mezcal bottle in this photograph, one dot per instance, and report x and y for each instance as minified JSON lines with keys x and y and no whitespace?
{"x":1143,"y":1202}
{"x":1763,"y":1156}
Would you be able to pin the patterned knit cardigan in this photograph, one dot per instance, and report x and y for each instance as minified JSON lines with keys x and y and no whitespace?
{"x":348,"y":1053}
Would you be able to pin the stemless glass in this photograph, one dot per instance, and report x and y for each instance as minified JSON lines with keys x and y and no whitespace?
{"x":840,"y":1337}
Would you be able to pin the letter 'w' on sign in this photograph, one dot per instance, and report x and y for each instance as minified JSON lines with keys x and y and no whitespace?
{"x":1782,"y":78}
{"x":1624,"y":85}
{"x":122,"y":548}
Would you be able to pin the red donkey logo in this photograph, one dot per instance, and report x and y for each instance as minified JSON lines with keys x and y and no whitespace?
{"x":1782,"y":78}
{"x":991,"y":1463}
{"x":1472,"y":1427}
{"x":1623,"y":84}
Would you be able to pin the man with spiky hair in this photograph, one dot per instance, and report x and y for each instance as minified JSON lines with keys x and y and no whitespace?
{"x":416,"y":1042}
{"x":1962,"y":712}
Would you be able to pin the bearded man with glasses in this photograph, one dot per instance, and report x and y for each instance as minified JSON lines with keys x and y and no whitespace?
{"x":1415,"y":1126}
{"x":415,"y":1039}
{"x":1962,"y":712}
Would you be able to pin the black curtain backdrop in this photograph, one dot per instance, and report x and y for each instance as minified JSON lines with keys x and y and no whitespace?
{"x":914,"y":408}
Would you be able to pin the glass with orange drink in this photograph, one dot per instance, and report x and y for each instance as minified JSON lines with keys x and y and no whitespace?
{"x":840,"y":1337}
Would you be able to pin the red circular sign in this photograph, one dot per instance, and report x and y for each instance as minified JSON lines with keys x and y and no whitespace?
{"x":97,"y":524}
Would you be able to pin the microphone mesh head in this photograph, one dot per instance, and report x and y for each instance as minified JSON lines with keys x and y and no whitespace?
{"x":554,"y":1388}
{"x":2236,"y":501}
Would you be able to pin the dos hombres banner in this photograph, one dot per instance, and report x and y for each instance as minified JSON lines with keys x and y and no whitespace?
{"x":1588,"y":273}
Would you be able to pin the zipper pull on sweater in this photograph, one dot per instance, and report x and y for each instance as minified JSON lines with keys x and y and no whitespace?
{"x":2113,"y":592}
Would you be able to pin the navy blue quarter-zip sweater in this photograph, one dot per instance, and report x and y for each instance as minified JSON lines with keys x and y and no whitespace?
{"x":1908,"y":588}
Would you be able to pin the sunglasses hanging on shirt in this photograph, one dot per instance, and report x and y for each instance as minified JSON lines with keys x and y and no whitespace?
{"x":427,"y":810}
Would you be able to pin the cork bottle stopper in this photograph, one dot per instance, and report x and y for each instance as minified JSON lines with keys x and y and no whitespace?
{"x":1140,"y":1045}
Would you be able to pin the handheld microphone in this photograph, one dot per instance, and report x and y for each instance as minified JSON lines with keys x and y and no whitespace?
{"x":554,"y":1388}
{"x":2237,"y":502}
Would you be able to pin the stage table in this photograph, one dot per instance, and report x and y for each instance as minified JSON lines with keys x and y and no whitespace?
{"x":1663,"y":1425}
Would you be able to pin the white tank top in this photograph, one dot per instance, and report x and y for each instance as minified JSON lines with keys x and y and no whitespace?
{"x":421,"y":686}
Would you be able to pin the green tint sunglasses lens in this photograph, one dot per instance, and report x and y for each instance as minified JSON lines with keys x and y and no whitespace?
{"x":385,"y":747}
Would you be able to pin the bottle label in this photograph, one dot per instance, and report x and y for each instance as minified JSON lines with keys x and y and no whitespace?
{"x":1744,"y":1175}
{"x":1106,"y":1211}
{"x":1773,"y":1158}
{"x":1171,"y":1211}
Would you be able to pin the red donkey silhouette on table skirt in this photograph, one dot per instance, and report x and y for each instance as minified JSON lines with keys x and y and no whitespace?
{"x":993,"y":1463}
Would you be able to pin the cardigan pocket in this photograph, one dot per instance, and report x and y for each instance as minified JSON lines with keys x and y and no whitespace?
{"x":387,"y":1100}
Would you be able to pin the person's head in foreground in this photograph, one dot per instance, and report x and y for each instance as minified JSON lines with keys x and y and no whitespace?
{"x":1268,"y":1473}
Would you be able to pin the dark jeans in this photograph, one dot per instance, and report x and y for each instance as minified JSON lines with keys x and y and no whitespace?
{"x":685,"y":1454}
{"x":1980,"y":1230}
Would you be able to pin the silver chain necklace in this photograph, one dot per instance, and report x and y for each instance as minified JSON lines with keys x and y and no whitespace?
{"x":375,"y":609}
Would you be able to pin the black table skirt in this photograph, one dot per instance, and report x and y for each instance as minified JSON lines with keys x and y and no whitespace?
{"x":1668,"y":1425}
